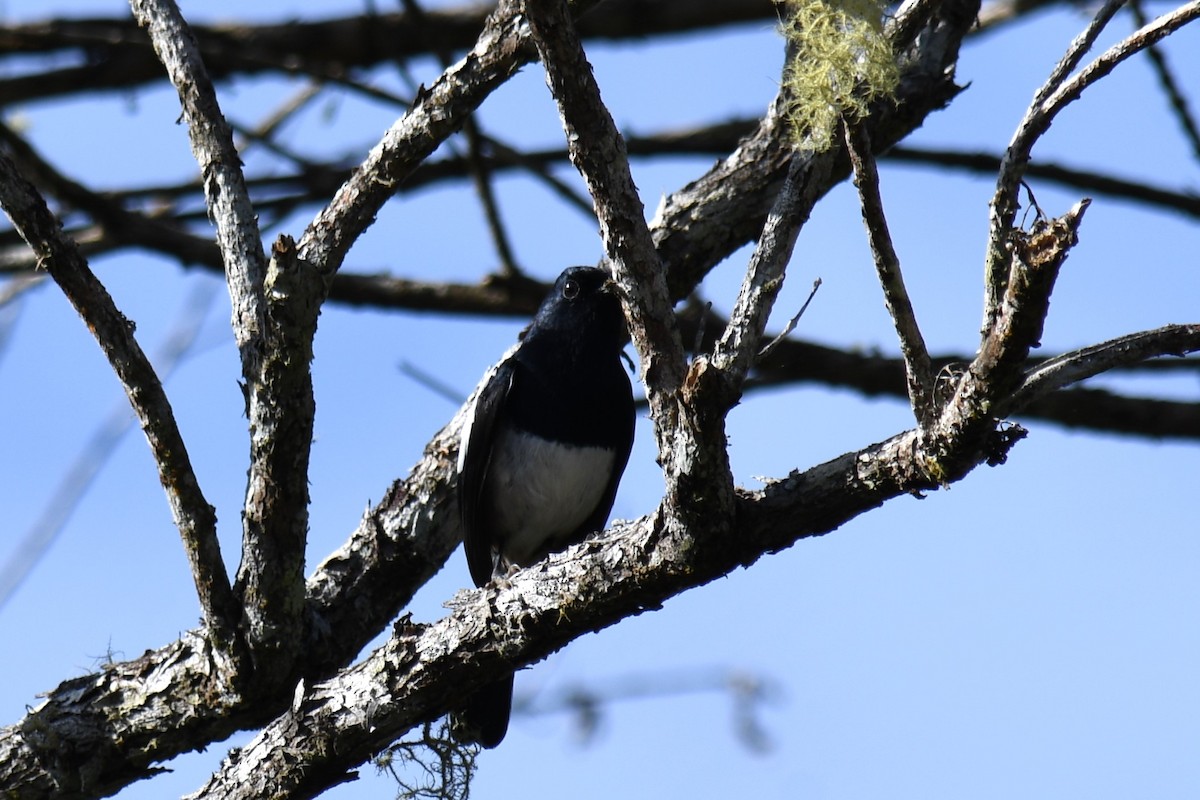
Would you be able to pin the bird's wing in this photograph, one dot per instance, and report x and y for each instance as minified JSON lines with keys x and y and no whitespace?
{"x":475,"y":456}
{"x":599,"y":517}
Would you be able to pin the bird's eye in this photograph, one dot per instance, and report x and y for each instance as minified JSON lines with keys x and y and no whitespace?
{"x":570,"y":289}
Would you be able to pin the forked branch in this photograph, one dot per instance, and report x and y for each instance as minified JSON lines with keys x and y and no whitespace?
{"x":1059,"y":90}
{"x":275,"y":309}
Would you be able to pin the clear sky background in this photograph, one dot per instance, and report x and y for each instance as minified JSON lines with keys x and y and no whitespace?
{"x":1030,"y":632}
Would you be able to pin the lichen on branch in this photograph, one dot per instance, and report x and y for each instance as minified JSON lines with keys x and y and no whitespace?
{"x":839,"y":61}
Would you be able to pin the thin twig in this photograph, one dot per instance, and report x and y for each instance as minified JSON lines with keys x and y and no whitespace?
{"x":11,"y":292}
{"x":264,"y":133}
{"x":770,"y":346}
{"x":1170,"y":86}
{"x":434,"y":116}
{"x":505,"y":156}
{"x":917,"y":365}
{"x":279,"y":194}
{"x":1094,"y":183}
{"x":13,"y":288}
{"x":432,"y":383}
{"x":738,"y":348}
{"x":1087,"y":362}
{"x":324,"y":49}
{"x":482,"y":179}
{"x":1078,"y":48}
{"x":1102,"y":65}
{"x":300,"y":100}
{"x":480,"y":174}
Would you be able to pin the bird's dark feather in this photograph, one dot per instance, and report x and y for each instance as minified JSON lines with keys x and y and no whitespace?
{"x":561,"y":403}
{"x":477,"y":539}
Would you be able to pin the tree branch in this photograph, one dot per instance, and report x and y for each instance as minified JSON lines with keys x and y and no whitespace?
{"x":193,"y":516}
{"x":794,"y":361}
{"x":282,"y":409}
{"x":220,"y":166}
{"x":165,"y":233}
{"x":325,"y":49}
{"x":598,"y":152}
{"x":702,"y":223}
{"x":1170,"y":86}
{"x":972,"y":411}
{"x":918,"y":367}
{"x":1055,"y":94}
{"x":356,"y":592}
{"x":94,"y":454}
{"x":275,"y":310}
{"x":439,"y":112}
{"x":1068,"y":368}
{"x":740,"y":345}
{"x":1094,"y":183}
{"x":422,"y":671}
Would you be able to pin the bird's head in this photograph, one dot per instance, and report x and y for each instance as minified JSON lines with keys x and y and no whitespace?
{"x":583,"y":303}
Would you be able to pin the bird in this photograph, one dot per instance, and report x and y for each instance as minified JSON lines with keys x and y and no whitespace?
{"x":543,"y":451}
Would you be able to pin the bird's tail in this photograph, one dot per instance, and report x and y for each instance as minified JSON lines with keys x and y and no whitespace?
{"x":484,"y":719}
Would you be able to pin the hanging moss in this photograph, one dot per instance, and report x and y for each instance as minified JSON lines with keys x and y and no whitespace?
{"x":839,"y":61}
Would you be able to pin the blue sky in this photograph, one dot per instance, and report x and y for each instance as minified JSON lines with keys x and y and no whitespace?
{"x":1029,"y":632}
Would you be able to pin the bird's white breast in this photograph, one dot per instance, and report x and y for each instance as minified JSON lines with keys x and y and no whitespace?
{"x":542,"y":491}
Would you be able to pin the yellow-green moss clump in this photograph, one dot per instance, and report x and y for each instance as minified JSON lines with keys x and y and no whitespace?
{"x":839,"y":62}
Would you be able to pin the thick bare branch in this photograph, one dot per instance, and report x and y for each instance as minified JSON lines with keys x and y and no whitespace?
{"x":422,"y":671}
{"x":1037,"y":258}
{"x":972,"y":412}
{"x":97,"y":733}
{"x":220,"y":167}
{"x":398,"y":545}
{"x":409,"y":535}
{"x":282,"y":409}
{"x":275,"y":311}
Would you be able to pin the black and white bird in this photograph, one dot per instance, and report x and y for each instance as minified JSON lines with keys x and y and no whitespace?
{"x":543,"y":452}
